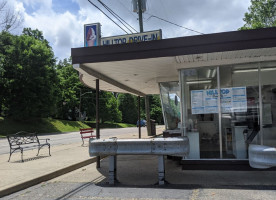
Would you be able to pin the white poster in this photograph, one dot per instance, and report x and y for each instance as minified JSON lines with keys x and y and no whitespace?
{"x":239,"y":99}
{"x":211,"y":101}
{"x":206,"y":101}
{"x":197,"y":101}
{"x":226,"y":100}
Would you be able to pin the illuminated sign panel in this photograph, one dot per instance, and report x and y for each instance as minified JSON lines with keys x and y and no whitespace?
{"x":92,"y":34}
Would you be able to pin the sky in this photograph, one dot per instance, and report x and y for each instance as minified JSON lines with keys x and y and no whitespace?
{"x":62,"y":21}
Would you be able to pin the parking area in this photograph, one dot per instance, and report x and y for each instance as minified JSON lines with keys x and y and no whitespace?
{"x":137,"y":176}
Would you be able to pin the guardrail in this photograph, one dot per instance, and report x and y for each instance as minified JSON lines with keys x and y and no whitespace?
{"x":261,"y":157}
{"x":155,"y":146}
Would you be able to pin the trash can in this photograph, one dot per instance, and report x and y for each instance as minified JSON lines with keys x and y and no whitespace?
{"x":153,"y":127}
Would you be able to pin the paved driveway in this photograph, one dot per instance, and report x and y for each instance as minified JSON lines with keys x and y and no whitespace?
{"x":137,"y":175}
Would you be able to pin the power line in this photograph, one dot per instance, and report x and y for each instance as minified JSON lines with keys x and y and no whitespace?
{"x":173,"y":23}
{"x":107,"y":16}
{"x":117,"y":16}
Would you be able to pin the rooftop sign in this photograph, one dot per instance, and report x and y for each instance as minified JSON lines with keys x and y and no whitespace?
{"x":92,"y":34}
{"x":132,"y":38}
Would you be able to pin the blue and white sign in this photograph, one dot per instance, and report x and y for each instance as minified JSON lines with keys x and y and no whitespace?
{"x":132,"y":38}
{"x":206,"y":101}
{"x":226,"y":100}
{"x":210,"y":101}
{"x":92,"y":34}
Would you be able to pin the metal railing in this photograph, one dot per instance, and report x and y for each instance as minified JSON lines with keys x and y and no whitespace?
{"x":155,"y":146}
{"x":261,"y":157}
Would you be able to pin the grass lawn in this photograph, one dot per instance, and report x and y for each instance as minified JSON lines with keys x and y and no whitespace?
{"x":9,"y":126}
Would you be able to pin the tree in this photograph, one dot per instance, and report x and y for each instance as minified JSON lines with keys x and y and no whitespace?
{"x":9,"y":19}
{"x":262,"y":14}
{"x":31,"y":80}
{"x":128,"y":107}
{"x":69,"y":89}
{"x":6,"y":41}
{"x":155,"y":109}
{"x":109,"y":110}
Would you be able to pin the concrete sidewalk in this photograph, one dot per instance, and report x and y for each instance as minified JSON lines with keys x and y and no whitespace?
{"x":16,"y":175}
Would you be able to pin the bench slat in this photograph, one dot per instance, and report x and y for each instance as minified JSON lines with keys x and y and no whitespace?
{"x":86,"y":132}
{"x":86,"y":129}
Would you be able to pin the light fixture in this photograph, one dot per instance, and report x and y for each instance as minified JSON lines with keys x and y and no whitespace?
{"x":198,"y":82}
{"x":208,"y":73}
{"x":253,"y":70}
{"x":211,"y":73}
{"x":214,"y":73}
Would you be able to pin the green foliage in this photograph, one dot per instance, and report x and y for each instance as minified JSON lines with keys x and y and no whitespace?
{"x":33,"y":86}
{"x":6,"y":42}
{"x":109,"y":110}
{"x":29,"y":76}
{"x":69,"y":88}
{"x":155,"y":109}
{"x":128,"y":107}
{"x":262,"y":14}
{"x":37,"y":34}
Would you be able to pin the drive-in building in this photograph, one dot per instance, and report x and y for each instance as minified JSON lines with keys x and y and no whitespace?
{"x":188,"y":73}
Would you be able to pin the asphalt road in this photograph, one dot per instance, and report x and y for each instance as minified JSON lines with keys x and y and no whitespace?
{"x":137,"y":175}
{"x":74,"y":137}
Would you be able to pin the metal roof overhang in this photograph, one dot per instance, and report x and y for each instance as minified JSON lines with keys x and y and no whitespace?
{"x":137,"y":68}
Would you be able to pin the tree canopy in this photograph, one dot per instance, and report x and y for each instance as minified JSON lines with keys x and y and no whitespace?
{"x":261,"y":14}
{"x":34,"y":85}
{"x":29,"y":76}
{"x":128,"y":106}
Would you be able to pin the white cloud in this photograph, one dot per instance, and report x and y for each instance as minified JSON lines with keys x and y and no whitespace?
{"x":64,"y":30}
{"x":41,"y":3}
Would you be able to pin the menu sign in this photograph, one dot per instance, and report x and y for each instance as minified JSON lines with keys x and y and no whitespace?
{"x":206,"y":101}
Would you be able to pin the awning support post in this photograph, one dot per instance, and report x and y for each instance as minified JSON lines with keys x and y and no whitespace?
{"x":139,"y":118}
{"x":97,"y":118}
{"x":147,"y":109}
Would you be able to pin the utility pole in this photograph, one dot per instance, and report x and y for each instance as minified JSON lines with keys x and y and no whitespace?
{"x":147,"y":107}
{"x":140,"y":16}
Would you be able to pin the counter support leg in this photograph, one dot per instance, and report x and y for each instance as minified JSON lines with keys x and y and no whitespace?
{"x":112,"y":175}
{"x":161,"y":170}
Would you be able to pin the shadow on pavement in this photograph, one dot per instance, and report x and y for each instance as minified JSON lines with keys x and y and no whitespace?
{"x":141,"y":172}
{"x":29,"y":159}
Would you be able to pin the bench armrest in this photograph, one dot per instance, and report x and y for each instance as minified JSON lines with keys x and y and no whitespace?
{"x":45,"y":139}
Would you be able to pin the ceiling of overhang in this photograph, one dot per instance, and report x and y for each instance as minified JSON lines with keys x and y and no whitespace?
{"x":142,"y":76}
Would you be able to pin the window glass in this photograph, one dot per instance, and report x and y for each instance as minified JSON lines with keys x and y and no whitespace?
{"x":170,"y":97}
{"x":268,"y":85}
{"x":240,"y":109}
{"x":201,"y":111}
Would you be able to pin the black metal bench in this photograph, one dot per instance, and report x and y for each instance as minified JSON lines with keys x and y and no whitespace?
{"x":24,"y":140}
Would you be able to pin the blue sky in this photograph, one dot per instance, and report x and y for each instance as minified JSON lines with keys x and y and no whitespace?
{"x":61,"y":21}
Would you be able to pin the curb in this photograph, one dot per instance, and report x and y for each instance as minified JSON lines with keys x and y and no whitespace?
{"x":46,"y":177}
